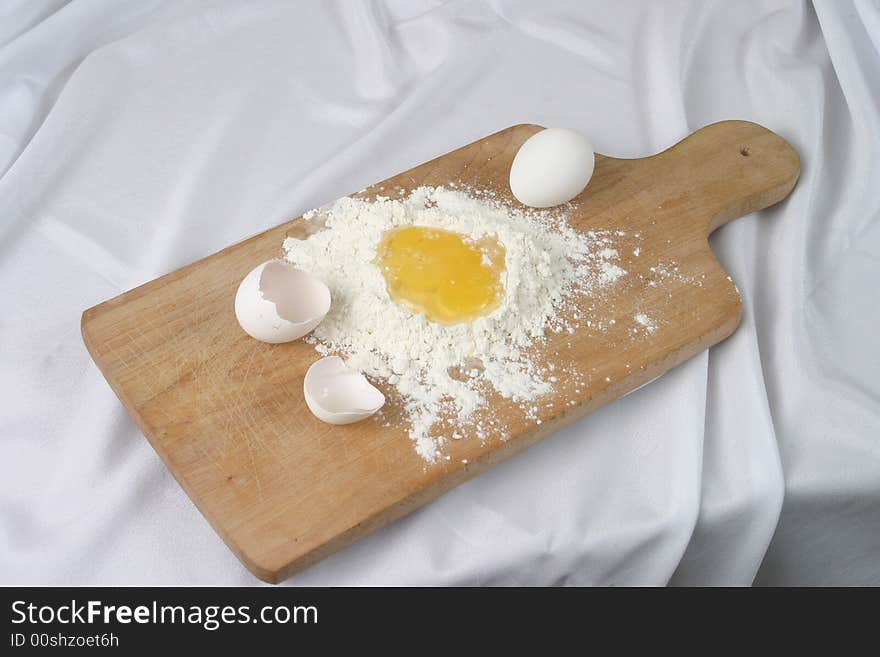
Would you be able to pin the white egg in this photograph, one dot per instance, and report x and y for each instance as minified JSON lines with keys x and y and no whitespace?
{"x":551,"y":167}
{"x":277,"y":302}
{"x":337,"y":394}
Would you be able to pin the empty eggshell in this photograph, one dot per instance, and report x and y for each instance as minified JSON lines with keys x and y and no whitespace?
{"x":337,"y":394}
{"x":276,"y":302}
{"x":551,"y":167}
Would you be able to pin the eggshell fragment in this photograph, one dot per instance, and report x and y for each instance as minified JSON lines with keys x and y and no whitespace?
{"x":337,"y":394}
{"x":276,"y":302}
{"x":551,"y":167}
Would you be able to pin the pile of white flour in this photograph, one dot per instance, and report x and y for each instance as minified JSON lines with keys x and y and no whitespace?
{"x":444,"y":372}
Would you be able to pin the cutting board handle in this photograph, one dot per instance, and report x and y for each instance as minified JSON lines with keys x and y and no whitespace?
{"x":736,"y":168}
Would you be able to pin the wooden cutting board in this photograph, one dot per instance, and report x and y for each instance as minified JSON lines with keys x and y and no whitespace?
{"x":226,"y":413}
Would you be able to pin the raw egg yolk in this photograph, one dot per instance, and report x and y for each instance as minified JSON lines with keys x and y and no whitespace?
{"x":448,"y":277}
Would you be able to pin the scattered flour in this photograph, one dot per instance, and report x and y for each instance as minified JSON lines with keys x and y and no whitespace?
{"x":443,"y":373}
{"x":645,"y":321}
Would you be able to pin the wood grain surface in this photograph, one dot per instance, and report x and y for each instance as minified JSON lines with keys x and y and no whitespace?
{"x":226,"y":413}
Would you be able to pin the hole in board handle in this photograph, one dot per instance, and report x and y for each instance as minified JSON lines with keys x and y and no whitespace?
{"x":744,"y":151}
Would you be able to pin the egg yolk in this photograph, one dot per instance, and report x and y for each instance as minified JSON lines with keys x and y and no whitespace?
{"x":448,"y":277}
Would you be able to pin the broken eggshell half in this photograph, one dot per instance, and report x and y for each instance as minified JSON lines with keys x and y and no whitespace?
{"x":276,"y":302}
{"x":338,"y":394}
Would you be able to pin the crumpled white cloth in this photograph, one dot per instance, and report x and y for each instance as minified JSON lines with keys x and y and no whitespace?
{"x":136,"y":137}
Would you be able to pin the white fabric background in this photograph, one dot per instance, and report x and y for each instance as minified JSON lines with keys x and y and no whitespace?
{"x":138,"y":136}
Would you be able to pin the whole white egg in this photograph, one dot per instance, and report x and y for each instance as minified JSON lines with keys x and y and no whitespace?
{"x":276,"y":302}
{"x":551,"y":167}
